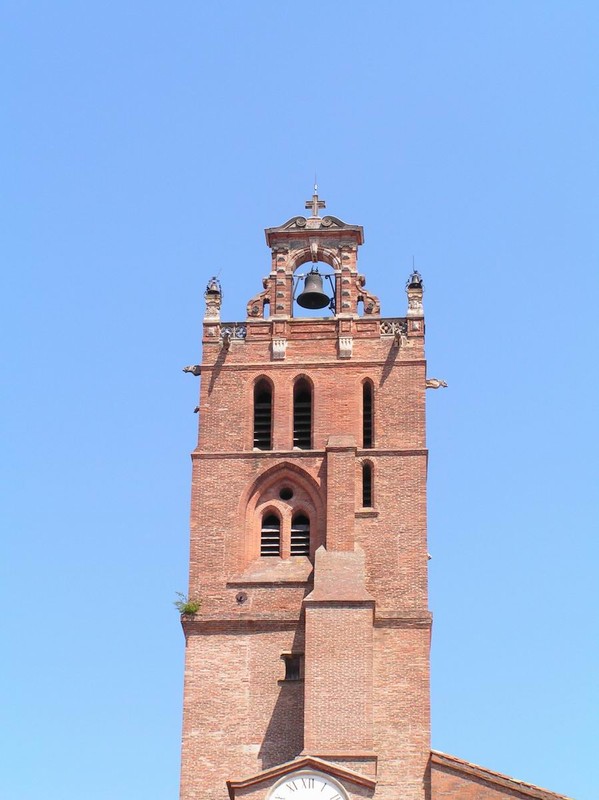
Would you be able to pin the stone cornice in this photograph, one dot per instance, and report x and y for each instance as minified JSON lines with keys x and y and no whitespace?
{"x":299,"y":364}
{"x":283,"y":620}
{"x":287,"y":454}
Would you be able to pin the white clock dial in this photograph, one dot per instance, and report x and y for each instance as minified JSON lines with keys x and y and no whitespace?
{"x":307,"y":785}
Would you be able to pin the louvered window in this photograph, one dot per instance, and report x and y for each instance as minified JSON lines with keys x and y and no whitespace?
{"x":366,"y":485}
{"x":300,"y":536}
{"x":302,"y":415}
{"x":367,"y":427}
{"x":263,"y":416}
{"x":270,"y":537}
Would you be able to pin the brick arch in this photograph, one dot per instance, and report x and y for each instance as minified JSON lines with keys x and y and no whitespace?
{"x":367,"y":381}
{"x":302,"y":377}
{"x":325,"y":254}
{"x":269,"y":510}
{"x":262,"y":494}
{"x":251,"y":399}
{"x":360,"y":464}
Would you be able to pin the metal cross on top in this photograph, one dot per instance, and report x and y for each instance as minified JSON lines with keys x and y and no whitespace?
{"x":315,"y":203}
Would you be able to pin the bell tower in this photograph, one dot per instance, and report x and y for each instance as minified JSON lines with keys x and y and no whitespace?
{"x":307,"y":663}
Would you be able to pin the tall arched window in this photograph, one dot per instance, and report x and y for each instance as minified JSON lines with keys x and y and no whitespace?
{"x":367,"y":421}
{"x":302,"y":415}
{"x":270,"y":536}
{"x":300,"y":535}
{"x":366,"y":484}
{"x":263,"y":415}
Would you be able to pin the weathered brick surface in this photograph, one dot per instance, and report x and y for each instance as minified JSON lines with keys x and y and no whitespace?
{"x":364,"y":703}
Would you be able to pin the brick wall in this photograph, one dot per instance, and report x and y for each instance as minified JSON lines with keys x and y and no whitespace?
{"x":365,"y":698}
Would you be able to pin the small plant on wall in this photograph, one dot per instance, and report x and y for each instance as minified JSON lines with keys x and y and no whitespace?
{"x":185,"y":605}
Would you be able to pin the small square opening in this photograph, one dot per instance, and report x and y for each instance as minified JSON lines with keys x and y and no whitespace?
{"x":294,"y":666}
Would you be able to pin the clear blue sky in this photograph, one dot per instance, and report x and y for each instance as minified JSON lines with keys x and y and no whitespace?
{"x":144,"y":147}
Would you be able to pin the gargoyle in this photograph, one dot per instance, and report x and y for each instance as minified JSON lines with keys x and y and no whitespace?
{"x":435,"y":383}
{"x":195,"y":369}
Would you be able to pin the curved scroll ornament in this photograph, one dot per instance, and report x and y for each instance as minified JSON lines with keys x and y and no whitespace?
{"x":372,"y":304}
{"x":255,"y":307}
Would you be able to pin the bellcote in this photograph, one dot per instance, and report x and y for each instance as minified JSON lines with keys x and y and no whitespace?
{"x":313,"y":240}
{"x":328,"y":247}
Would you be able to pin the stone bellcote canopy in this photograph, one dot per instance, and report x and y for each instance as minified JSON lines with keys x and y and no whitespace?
{"x":310,"y":240}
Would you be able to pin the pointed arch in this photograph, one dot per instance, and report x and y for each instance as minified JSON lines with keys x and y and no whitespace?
{"x":269,"y":494}
{"x":263,"y":408}
{"x":367,"y":413}
{"x":270,"y":534}
{"x":300,"y":534}
{"x":367,"y":484}
{"x":303,"y":394}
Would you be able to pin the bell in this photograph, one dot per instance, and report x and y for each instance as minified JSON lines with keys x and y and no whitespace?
{"x":313,"y":295}
{"x":415,"y":280}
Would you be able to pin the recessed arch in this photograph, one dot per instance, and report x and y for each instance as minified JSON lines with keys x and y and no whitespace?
{"x":263,"y":402}
{"x":367,"y":484}
{"x":300,"y":533}
{"x":367,"y":413}
{"x":278,"y":472}
{"x":303,"y":405}
{"x":262,"y":497}
{"x":270,"y":533}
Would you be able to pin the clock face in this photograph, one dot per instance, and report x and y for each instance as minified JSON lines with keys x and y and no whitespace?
{"x":307,"y":785}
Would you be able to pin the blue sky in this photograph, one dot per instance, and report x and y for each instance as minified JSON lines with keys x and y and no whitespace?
{"x":144,"y":147}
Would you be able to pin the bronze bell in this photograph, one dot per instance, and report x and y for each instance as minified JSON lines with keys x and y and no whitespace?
{"x":313,"y":295}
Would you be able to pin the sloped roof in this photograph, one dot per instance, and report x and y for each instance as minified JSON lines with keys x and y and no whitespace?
{"x":499,"y":781}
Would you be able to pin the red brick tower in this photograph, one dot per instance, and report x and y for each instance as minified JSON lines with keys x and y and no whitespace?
{"x":307,"y":665}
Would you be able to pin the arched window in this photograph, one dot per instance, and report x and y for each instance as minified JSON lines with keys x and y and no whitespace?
{"x":300,"y":535}
{"x":270,"y":536}
{"x":263,"y":416}
{"x":367,"y":422}
{"x":366,"y":484}
{"x":302,"y":415}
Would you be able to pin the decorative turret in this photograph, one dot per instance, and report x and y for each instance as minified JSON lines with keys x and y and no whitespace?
{"x":214,"y":298}
{"x":415,"y":290}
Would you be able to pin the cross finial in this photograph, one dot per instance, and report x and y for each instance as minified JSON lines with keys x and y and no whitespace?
{"x":315,"y":203}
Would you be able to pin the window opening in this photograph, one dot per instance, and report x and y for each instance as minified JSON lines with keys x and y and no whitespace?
{"x":366,"y":485}
{"x":302,"y":415}
{"x":270,"y":538}
{"x":300,"y":536}
{"x":293,"y":666}
{"x":367,"y":414}
{"x":286,"y":493}
{"x":263,"y":416}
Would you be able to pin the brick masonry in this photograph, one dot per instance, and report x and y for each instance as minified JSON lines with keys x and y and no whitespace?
{"x":356,"y":608}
